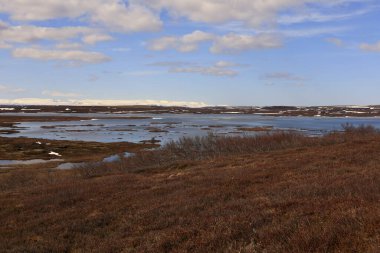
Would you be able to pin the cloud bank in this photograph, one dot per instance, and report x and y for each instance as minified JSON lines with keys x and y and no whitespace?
{"x":71,"y":56}
{"x":219,"y":69}
{"x":230,"y":43}
{"x":98,"y":102}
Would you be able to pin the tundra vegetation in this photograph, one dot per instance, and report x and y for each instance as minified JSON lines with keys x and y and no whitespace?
{"x":276,"y":192}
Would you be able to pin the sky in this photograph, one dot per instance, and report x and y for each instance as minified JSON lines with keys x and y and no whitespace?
{"x":190,"y":52}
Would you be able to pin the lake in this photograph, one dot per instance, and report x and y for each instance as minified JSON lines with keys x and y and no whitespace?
{"x":166,"y":127}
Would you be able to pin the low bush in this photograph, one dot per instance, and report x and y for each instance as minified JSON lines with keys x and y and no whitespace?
{"x":212,"y":146}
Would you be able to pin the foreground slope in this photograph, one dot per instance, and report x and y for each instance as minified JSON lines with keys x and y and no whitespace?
{"x":305,"y":198}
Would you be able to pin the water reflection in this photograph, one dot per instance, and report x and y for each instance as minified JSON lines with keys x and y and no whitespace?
{"x":27,"y":162}
{"x":169,"y":127}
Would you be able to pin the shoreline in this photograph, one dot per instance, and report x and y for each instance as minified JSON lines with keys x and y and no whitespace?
{"x":327,"y":111}
{"x":21,"y":148}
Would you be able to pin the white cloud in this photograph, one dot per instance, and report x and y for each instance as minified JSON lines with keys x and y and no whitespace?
{"x":142,"y":73}
{"x":3,"y":25}
{"x":4,"y":45}
{"x":60,"y":55}
{"x":286,"y":76}
{"x":186,"y":43}
{"x":238,"y":28}
{"x":144,"y":15}
{"x":196,"y":37}
{"x":226,"y":64}
{"x":253,"y":13}
{"x":211,"y":70}
{"x":102,"y":16}
{"x":55,"y":93}
{"x":233,"y":43}
{"x":221,"y":68}
{"x":113,"y":14}
{"x":370,"y":47}
{"x":319,"y":17}
{"x":95,"y":38}
{"x":10,"y":35}
{"x":221,"y":44}
{"x":69,"y":45}
{"x":135,"y":18}
{"x":29,"y":33}
{"x":312,"y":32}
{"x":98,"y":102}
{"x":163,"y":43}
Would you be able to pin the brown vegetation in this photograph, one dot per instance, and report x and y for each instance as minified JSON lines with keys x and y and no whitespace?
{"x":282,"y":192}
{"x":73,"y":151}
{"x":156,"y":130}
{"x":255,"y":129}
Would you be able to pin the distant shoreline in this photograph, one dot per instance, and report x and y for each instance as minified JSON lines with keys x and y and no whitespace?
{"x":311,"y":111}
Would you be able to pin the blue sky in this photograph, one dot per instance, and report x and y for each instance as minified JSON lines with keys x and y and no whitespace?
{"x":190,"y":52}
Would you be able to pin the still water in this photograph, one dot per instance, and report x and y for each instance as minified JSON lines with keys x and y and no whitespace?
{"x":167,"y":127}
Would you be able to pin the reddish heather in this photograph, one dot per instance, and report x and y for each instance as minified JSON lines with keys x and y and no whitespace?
{"x":292,"y":194}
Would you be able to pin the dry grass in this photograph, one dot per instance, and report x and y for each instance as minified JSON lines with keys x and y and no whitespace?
{"x":280,"y":193}
{"x":255,"y":129}
{"x":71,"y":151}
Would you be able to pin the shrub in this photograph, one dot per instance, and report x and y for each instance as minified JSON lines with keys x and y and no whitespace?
{"x":212,"y":146}
{"x":361,"y":129}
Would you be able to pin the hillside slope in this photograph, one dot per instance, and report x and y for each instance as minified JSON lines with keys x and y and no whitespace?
{"x":323,"y":198}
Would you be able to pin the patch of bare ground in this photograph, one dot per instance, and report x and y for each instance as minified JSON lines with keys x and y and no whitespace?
{"x":277,"y":193}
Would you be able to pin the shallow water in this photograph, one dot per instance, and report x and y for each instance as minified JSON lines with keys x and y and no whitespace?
{"x":167,"y":127}
{"x":164,"y":127}
{"x":69,"y":166}
{"x":63,"y":166}
{"x":26,"y":162}
{"x":110,"y":159}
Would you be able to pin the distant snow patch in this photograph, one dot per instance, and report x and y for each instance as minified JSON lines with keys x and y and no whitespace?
{"x":54,"y":153}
